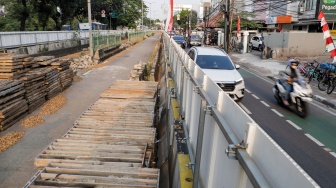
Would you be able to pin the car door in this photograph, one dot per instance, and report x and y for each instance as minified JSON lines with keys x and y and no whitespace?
{"x":191,"y":54}
{"x":255,"y":42}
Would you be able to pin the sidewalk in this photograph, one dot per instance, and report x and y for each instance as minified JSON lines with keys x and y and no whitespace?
{"x":271,"y":68}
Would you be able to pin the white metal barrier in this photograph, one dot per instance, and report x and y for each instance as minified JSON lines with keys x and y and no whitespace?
{"x":19,"y":39}
{"x":226,"y":147}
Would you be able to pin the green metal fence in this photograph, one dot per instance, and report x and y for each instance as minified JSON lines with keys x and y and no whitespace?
{"x":105,"y":40}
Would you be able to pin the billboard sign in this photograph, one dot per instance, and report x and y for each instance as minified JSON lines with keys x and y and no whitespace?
{"x":329,"y":9}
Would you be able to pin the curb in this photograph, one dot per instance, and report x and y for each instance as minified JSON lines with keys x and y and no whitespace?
{"x":324,"y":101}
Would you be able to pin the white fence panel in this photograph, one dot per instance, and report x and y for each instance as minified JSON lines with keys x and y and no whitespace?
{"x":225,"y":123}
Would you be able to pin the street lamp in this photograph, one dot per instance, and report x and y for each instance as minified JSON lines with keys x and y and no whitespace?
{"x":90,"y":29}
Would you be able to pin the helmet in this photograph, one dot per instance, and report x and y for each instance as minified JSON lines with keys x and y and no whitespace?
{"x":292,"y":61}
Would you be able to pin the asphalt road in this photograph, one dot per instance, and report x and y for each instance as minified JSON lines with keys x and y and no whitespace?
{"x":17,"y":163}
{"x":296,"y":140}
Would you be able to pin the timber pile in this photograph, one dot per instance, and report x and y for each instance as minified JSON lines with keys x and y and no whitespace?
{"x":44,"y":60}
{"x":13,"y":106}
{"x":36,"y":90}
{"x":61,"y":65}
{"x":52,"y":82}
{"x":110,"y":145}
{"x":11,"y":66}
{"x":66,"y":78}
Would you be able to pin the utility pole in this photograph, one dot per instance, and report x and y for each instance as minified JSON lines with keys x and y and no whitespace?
{"x":227,"y":27}
{"x":90,"y":29}
{"x":142,"y":15}
{"x":110,"y":16}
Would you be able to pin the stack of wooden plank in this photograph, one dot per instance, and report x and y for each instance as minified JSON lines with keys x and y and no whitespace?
{"x":52,"y":82}
{"x":44,"y":60}
{"x":35,"y":87}
{"x":66,"y":78}
{"x":61,"y":65}
{"x":110,"y":145}
{"x":11,"y":66}
{"x":29,"y":62}
{"x":13,"y":106}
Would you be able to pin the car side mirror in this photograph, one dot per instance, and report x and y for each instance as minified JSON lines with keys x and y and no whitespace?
{"x":237,"y":66}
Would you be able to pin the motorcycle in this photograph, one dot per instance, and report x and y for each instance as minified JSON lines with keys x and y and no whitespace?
{"x":298,"y":98}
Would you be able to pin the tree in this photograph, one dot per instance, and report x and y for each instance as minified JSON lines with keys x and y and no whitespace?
{"x":184,"y":19}
{"x":18,"y":10}
{"x":52,"y":14}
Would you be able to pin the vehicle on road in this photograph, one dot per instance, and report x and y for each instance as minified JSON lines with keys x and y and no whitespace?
{"x":180,"y":40}
{"x":257,"y":43}
{"x":216,"y":63}
{"x":298,"y":98}
{"x":195,"y":40}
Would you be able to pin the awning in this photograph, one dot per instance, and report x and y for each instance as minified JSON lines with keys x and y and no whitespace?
{"x":214,"y":21}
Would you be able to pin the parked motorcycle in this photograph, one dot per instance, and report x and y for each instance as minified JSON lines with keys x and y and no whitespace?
{"x":298,"y":98}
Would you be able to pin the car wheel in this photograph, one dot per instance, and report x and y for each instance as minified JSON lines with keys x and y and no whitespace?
{"x":260,"y":47}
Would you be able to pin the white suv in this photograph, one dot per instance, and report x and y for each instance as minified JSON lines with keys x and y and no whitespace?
{"x":219,"y":67}
{"x":257,"y":43}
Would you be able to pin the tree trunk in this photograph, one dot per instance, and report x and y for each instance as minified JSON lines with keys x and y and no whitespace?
{"x":24,"y":15}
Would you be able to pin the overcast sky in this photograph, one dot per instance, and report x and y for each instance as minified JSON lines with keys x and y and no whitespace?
{"x":157,"y":12}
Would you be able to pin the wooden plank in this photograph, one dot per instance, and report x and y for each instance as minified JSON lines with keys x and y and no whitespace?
{"x":11,"y":97}
{"x":88,"y":146}
{"x":97,"y":179}
{"x":67,"y":139}
{"x":100,"y":172}
{"x":41,"y":163}
{"x":116,"y":158}
{"x":88,"y":184}
{"x":11,"y":89}
{"x":115,"y":128}
{"x":114,"y":137}
{"x":92,"y":149}
{"x":102,"y":167}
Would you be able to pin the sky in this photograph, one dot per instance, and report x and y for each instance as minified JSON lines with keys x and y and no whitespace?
{"x":157,"y":12}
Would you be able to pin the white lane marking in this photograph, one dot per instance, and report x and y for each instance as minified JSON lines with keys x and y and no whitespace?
{"x":314,"y":139}
{"x":255,"y":96}
{"x":248,"y":91}
{"x":294,"y":125}
{"x":265,"y":103}
{"x":244,"y":108}
{"x":278,"y":113}
{"x":87,"y":72}
{"x":323,"y":108}
{"x":333,"y":154}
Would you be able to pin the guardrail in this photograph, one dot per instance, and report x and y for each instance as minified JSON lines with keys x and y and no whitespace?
{"x":216,"y":144}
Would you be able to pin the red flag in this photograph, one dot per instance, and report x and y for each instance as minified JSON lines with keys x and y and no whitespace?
{"x":238,"y":25}
{"x":169,"y":21}
{"x":321,"y":15}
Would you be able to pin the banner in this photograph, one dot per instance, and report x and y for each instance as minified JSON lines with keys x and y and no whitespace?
{"x":170,"y":17}
{"x":326,"y":35}
{"x":328,"y":7}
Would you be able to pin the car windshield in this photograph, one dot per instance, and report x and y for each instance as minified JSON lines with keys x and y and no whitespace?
{"x":178,"y":38}
{"x":214,"y":62}
{"x":195,"y":37}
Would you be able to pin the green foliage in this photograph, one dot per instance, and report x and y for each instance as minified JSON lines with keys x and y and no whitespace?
{"x":36,"y":15}
{"x":184,"y":19}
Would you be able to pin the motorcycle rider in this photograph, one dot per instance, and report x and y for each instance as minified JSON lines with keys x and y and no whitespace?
{"x":293,"y":76}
